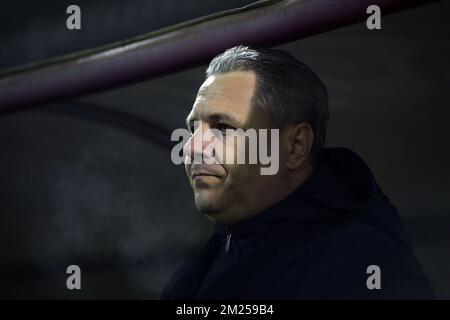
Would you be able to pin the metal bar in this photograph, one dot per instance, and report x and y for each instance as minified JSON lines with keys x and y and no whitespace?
{"x":264,"y":23}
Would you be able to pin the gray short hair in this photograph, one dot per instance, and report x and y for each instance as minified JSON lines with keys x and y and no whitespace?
{"x":288,"y":90}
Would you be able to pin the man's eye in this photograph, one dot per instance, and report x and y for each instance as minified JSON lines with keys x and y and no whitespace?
{"x":223,"y":127}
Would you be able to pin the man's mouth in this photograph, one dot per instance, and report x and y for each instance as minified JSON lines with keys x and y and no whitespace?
{"x":202,"y":171}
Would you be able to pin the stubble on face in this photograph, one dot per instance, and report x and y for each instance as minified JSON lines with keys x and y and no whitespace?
{"x":236,"y":189}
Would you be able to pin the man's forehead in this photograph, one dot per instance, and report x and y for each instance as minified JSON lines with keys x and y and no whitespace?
{"x":229,"y":92}
{"x":229,"y":81}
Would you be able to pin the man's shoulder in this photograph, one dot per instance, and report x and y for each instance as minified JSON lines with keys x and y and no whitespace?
{"x":339,"y":262}
{"x":359,"y":243}
{"x":357,"y":235}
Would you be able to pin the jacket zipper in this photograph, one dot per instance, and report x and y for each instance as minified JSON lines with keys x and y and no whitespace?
{"x":227,"y":244}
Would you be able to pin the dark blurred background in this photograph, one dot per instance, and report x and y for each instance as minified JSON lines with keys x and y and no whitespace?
{"x":90,"y":181}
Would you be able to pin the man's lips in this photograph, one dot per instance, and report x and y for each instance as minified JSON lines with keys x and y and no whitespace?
{"x":202,"y":171}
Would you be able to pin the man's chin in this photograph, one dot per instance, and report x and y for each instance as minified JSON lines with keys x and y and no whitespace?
{"x":216,"y":211}
{"x":207,"y":209}
{"x":206,"y":203}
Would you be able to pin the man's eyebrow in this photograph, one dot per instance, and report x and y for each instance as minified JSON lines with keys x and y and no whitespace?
{"x":217,"y":117}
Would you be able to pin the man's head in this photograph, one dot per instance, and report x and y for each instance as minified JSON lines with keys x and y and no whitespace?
{"x":255,"y":89}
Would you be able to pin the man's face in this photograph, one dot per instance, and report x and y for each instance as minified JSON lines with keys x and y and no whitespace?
{"x":226,"y":192}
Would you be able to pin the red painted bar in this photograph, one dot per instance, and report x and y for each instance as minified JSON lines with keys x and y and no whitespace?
{"x":265,"y":23}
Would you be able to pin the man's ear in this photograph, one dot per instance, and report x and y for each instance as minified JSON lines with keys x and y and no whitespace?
{"x":300,"y":140}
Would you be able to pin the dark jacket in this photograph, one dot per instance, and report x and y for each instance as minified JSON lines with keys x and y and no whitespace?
{"x":315,"y":244}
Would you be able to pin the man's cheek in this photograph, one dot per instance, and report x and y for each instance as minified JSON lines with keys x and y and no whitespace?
{"x":226,"y":151}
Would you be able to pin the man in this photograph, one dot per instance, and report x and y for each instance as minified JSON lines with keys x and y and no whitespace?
{"x":320,"y":228}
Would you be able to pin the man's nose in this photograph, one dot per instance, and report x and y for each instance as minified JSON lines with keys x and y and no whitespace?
{"x":198,"y":142}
